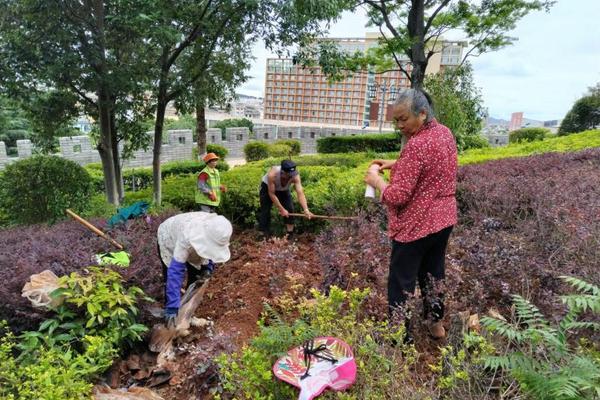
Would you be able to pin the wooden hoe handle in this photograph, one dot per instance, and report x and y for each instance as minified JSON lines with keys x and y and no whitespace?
{"x":93,"y":229}
{"x":323,"y":216}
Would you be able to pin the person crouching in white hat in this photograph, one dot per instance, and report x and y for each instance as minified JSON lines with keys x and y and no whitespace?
{"x":190,"y":242}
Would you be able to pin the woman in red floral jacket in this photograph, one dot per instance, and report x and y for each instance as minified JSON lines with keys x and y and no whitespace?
{"x":421,"y":202}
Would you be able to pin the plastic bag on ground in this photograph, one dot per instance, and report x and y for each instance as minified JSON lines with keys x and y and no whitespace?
{"x":38,"y":290}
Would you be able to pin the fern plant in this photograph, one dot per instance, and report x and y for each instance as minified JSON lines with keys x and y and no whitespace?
{"x":541,"y":356}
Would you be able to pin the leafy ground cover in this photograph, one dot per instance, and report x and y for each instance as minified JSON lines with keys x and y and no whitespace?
{"x":523,"y":223}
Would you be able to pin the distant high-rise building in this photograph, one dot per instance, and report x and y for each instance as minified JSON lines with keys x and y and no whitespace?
{"x":294,"y":93}
{"x":516,"y":120}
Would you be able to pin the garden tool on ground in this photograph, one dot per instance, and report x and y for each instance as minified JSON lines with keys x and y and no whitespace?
{"x":162,"y":336}
{"x":324,"y":217}
{"x":94,"y":229}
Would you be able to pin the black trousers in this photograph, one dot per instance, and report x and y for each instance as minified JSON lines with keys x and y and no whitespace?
{"x":422,"y":260}
{"x":264,"y":218}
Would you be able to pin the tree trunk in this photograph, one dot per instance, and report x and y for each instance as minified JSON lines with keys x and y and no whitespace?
{"x":117,"y":159}
{"x":416,"y":33}
{"x":201,"y":128}
{"x":158,"y":129}
{"x":105,"y":105}
{"x":105,"y":148}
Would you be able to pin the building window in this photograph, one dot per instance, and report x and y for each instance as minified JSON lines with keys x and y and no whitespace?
{"x":181,"y":140}
{"x":312,"y":135}
{"x":77,"y":148}
{"x":289,"y":135}
{"x":240,"y":137}
{"x":266,"y":135}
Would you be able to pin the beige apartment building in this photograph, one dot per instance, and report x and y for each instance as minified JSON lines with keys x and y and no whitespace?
{"x":294,"y":93}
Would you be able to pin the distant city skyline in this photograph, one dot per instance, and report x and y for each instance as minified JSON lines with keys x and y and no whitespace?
{"x":555,"y":58}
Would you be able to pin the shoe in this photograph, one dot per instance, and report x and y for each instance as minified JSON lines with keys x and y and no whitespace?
{"x":290,"y":236}
{"x":437,"y":330}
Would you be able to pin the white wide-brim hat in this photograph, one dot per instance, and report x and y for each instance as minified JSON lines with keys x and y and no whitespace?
{"x":210,"y":237}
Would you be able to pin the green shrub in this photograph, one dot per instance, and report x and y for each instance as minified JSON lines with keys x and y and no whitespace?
{"x":574,"y":142}
{"x":255,"y":151}
{"x":95,"y":304}
{"x":295,"y":145}
{"x":40,"y":188}
{"x":52,"y":373}
{"x":280,"y":150}
{"x":98,"y":206}
{"x":474,"y":142}
{"x":219,"y":150}
{"x":360,"y":143}
{"x":527,"y":135}
{"x":584,"y":114}
{"x":233,"y":123}
{"x":69,"y":350}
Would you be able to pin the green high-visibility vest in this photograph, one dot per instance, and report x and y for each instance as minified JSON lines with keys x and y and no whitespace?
{"x":214,"y":181}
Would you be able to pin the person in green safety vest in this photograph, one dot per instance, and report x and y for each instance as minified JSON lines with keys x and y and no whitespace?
{"x":209,"y":188}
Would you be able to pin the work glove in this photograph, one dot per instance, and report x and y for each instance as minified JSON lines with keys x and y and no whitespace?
{"x":171,"y":316}
{"x":210,"y":267}
{"x":212,"y":196}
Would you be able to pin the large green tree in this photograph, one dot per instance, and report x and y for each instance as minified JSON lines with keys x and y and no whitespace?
{"x":585,"y":113}
{"x":86,"y":51}
{"x":190,"y":37}
{"x":457,"y":102}
{"x":412,"y":32}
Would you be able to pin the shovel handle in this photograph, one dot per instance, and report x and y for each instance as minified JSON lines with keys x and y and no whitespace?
{"x":323,"y":216}
{"x":93,"y":229}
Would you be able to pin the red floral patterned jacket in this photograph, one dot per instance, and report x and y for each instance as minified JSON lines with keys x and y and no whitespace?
{"x":421,"y":195}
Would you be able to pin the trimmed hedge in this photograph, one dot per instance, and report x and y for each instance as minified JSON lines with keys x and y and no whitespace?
{"x":333,"y":183}
{"x":475,"y":142}
{"x":40,"y":188}
{"x":219,"y":150}
{"x":140,"y":178}
{"x":295,"y":146}
{"x":574,"y":142}
{"x":255,"y":151}
{"x":528,"y":135}
{"x":355,"y":144}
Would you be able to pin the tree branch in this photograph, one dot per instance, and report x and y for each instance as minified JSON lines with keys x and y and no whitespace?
{"x":384,"y":12}
{"x":82,"y":95}
{"x":190,"y":38}
{"x":473,"y":48}
{"x":398,"y":63}
{"x":435,"y":13}
{"x":205,"y":64}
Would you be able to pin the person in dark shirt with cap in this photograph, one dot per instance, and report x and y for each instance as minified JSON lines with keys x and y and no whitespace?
{"x":275,"y":189}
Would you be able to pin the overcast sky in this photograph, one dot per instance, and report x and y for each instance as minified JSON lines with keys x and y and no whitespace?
{"x":553,"y":62}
